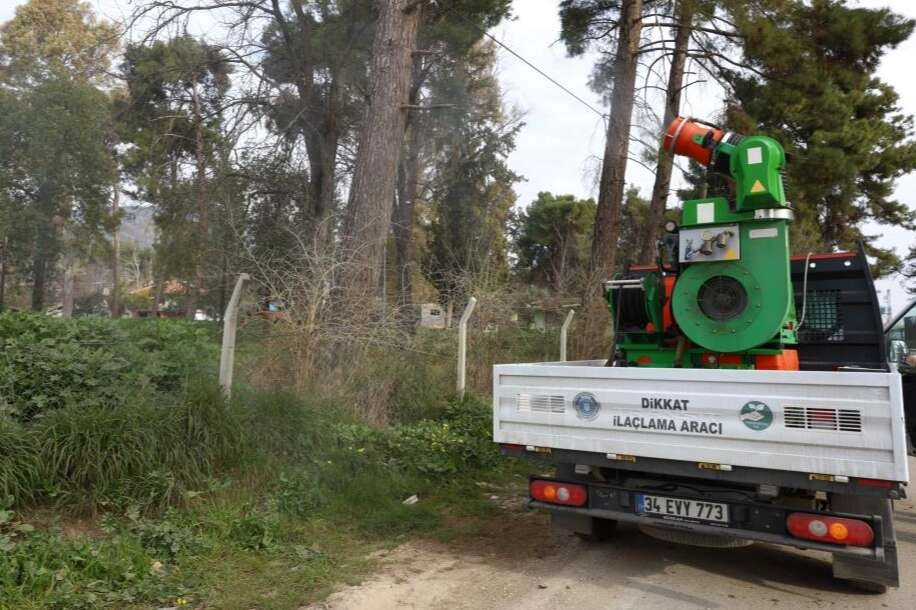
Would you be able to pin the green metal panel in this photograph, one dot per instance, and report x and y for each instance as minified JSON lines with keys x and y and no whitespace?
{"x":762,"y":272}
{"x":755,"y":165}
{"x":722,"y":214}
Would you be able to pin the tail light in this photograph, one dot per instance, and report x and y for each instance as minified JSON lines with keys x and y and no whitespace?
{"x":554,"y":492}
{"x":880,"y":483}
{"x":834,"y":530}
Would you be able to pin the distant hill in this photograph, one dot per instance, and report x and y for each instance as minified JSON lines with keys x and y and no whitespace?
{"x":138,"y":225}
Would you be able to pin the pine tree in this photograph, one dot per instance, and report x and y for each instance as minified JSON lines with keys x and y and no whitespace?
{"x":176,"y":90}
{"x":553,"y":240}
{"x":469,"y":181}
{"x":811,"y":85}
{"x":58,"y":169}
{"x":582,"y":22}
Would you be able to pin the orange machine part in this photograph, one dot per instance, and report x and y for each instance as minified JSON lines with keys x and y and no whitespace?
{"x":786,"y":361}
{"x":667,"y":319}
{"x":679,"y":139}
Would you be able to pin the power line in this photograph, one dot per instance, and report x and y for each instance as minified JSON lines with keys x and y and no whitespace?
{"x":535,"y":68}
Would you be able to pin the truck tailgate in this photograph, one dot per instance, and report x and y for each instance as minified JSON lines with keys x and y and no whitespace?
{"x":831,"y":423}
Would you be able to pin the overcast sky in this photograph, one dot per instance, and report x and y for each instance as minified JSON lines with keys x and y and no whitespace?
{"x":560,"y":147}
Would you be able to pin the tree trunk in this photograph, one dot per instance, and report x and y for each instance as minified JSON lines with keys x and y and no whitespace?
{"x":322,"y":152}
{"x":372,"y":190}
{"x":647,"y":253}
{"x":39,"y":276}
{"x":203,"y":229}
{"x":115,"y":305}
{"x":407,"y":185}
{"x":68,"y":287}
{"x":4,"y":253}
{"x":613,"y":174}
{"x":157,"y":296}
{"x":408,"y":181}
{"x":41,"y":260}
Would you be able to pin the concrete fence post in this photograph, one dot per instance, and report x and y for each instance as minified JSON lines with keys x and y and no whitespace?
{"x":563,"y":332}
{"x":463,"y":345}
{"x":230,"y":325}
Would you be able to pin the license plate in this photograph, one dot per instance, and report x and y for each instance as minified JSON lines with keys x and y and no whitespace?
{"x":695,"y":510}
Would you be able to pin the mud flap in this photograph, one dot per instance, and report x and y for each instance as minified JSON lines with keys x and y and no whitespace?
{"x":863,"y":570}
{"x":574,"y":522}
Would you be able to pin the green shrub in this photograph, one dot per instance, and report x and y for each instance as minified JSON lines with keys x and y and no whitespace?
{"x":37,"y":377}
{"x":165,"y":538}
{"x":253,"y":531}
{"x":279,"y":424}
{"x":458,"y":442}
{"x":51,"y":363}
{"x":299,"y":493}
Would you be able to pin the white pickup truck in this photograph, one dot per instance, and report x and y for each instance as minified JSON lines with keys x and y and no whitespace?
{"x":811,"y":459}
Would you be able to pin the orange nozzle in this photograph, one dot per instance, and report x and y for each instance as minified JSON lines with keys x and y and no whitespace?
{"x":680,"y":139}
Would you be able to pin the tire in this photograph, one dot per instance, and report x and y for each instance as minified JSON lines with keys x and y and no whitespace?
{"x":602,"y":529}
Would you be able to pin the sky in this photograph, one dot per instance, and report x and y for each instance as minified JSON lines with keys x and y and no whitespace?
{"x":560,"y":147}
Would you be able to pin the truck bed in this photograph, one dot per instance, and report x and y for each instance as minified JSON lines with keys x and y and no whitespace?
{"x":830,"y":423}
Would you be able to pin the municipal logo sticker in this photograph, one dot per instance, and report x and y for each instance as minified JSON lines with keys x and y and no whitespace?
{"x":756,"y":415}
{"x":587,"y":406}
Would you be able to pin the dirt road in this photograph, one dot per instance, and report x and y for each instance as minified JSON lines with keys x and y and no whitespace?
{"x":527,"y":566}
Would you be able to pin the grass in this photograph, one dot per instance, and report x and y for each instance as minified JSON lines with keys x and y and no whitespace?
{"x":230,"y":549}
{"x":268,"y":501}
{"x":283,"y":500}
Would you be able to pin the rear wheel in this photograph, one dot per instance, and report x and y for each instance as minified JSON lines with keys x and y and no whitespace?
{"x":601,"y":529}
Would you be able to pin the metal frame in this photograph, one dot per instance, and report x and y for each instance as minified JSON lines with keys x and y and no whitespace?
{"x":691,"y":470}
{"x":900,"y":316}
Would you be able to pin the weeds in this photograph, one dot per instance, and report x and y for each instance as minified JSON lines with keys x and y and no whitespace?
{"x":147,"y":455}
{"x":43,"y":569}
{"x":19,"y":463}
{"x":205,"y":500}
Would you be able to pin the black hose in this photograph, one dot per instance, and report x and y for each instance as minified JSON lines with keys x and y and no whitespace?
{"x":612,"y":360}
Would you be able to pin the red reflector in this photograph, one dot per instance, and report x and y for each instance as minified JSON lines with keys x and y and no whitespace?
{"x":555,"y":492}
{"x":833,"y":530}
{"x":875,"y":483}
